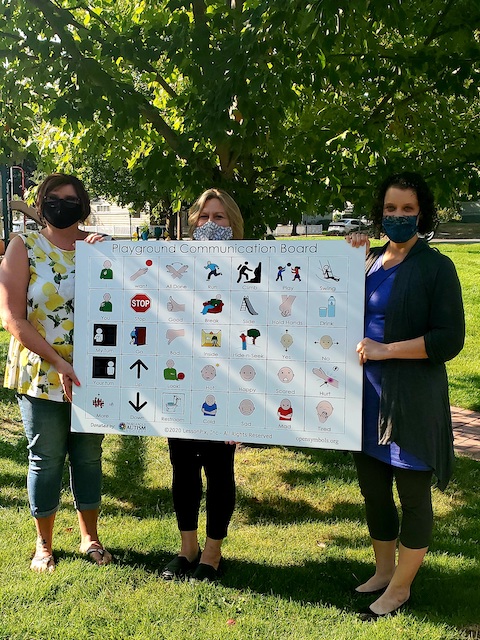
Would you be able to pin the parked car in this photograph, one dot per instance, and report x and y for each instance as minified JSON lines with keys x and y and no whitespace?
{"x":344,"y":226}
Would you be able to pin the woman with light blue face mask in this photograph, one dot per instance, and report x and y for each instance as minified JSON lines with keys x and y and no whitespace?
{"x":414,"y":323}
{"x":214,"y":216}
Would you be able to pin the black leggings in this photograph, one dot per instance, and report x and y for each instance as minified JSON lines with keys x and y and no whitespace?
{"x":414,"y":490}
{"x":217,"y":458}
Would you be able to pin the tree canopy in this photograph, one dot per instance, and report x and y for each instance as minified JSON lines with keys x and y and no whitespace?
{"x":290,"y":106}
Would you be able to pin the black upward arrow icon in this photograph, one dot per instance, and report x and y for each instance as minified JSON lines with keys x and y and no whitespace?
{"x":139,"y":364}
{"x":137,"y":406}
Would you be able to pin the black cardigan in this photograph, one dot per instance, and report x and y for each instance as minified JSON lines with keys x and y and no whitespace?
{"x":426,"y":300}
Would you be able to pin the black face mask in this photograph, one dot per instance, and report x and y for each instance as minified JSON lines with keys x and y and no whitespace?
{"x":61,"y":213}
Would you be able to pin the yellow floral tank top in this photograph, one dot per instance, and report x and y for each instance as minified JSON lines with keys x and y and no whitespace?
{"x":50,"y":310}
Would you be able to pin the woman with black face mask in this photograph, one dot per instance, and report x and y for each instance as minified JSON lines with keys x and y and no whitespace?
{"x":37,"y":279}
{"x":414,"y":323}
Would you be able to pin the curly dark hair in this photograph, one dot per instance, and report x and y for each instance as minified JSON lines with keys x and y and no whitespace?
{"x":55,"y":180}
{"x":407,"y":180}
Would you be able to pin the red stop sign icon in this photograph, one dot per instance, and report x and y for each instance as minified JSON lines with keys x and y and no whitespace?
{"x":140,"y":303}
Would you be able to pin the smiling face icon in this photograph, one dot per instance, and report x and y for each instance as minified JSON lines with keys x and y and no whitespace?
{"x":208,"y":372}
{"x":324,"y":411}
{"x":246,"y":407}
{"x":247,"y":373}
{"x":285,"y":375}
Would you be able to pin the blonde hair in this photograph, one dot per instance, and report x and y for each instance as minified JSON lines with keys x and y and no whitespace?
{"x":231,"y":210}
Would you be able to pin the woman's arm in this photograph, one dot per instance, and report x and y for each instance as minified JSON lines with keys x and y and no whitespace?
{"x":414,"y":349}
{"x":14,"y":279}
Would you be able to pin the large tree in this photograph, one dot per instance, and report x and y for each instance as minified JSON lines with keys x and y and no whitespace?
{"x":291,"y":106}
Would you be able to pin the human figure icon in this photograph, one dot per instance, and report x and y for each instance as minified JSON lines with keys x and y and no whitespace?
{"x":242,"y":271}
{"x":98,"y":337}
{"x":110,"y":368}
{"x":209,"y":407}
{"x":280,"y":271}
{"x":328,"y":272}
{"x":285,"y":410}
{"x":243,"y":338}
{"x":212,"y":269}
{"x":106,"y":305}
{"x":106,"y":273}
{"x":296,"y":274}
{"x":170,"y":373}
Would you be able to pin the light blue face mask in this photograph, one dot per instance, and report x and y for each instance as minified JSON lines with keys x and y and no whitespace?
{"x":212,"y":231}
{"x":400,"y":228}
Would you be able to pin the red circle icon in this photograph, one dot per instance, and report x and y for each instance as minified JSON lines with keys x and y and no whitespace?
{"x":180,"y":376}
{"x":140,"y":303}
{"x":149,"y":263}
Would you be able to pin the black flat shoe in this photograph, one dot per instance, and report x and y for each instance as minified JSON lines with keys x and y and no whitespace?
{"x":205,"y":572}
{"x":180,"y":567}
{"x":367,"y":615}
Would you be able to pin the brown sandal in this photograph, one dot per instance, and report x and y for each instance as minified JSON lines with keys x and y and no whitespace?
{"x":105,"y":556}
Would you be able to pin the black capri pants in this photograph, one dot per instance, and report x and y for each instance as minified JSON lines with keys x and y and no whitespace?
{"x":414,"y":490}
{"x":217,"y":458}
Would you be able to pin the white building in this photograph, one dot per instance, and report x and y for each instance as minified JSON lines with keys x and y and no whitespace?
{"x":108,"y":217}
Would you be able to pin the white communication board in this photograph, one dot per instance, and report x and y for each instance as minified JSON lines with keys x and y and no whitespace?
{"x":252,"y":341}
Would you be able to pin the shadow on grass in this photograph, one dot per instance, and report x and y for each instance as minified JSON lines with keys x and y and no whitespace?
{"x":152,"y":562}
{"x":333,"y":581}
{"x":280,"y":510}
{"x":128,"y":482}
{"x":324,"y":466}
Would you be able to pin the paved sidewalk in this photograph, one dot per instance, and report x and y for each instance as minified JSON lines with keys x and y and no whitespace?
{"x":466,"y":432}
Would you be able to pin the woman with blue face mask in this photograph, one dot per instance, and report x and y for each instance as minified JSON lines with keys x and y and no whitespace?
{"x":214,"y":216}
{"x":414,"y":323}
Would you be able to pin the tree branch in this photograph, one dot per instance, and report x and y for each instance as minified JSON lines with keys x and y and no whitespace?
{"x":59,"y":16}
{"x":102,"y":79}
{"x":146,"y":66}
{"x":199,"y":9}
{"x":434,"y":31}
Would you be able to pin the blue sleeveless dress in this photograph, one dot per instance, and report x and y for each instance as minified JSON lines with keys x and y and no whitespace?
{"x":378,"y":287}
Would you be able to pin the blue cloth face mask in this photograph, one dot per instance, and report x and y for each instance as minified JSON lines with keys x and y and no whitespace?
{"x":212,"y":231}
{"x":400,"y":228}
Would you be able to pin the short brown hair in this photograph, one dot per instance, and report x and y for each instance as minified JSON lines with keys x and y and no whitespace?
{"x":55,"y":180}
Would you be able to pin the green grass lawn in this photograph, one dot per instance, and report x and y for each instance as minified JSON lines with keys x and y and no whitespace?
{"x":297,"y":547}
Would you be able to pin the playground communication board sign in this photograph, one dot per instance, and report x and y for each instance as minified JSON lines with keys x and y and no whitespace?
{"x":252,"y":341}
